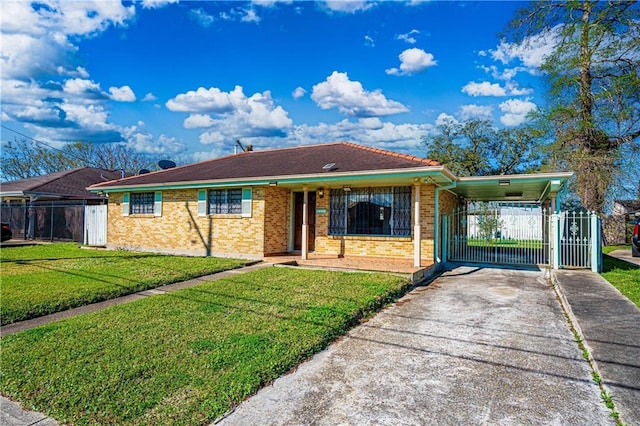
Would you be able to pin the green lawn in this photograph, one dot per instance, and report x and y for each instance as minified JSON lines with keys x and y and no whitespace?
{"x":609,"y":249}
{"x":504,"y":243}
{"x":189,"y":356}
{"x":624,"y":276}
{"x":43,"y":279}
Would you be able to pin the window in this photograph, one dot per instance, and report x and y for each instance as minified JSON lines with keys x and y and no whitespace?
{"x":225,"y":201}
{"x":370,"y":211}
{"x":142,"y":202}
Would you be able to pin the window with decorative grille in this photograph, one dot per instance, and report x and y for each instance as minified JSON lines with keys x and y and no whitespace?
{"x":370,"y":211}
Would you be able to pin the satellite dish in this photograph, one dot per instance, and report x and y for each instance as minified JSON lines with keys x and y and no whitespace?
{"x":166,"y":164}
{"x":143,"y":171}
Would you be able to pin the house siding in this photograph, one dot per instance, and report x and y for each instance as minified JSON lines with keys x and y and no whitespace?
{"x":181,"y":231}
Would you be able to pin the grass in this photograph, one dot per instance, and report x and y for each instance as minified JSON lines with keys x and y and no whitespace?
{"x":505,"y":243}
{"x":43,"y":279}
{"x":189,"y":356}
{"x":623,"y":276}
{"x":609,"y":249}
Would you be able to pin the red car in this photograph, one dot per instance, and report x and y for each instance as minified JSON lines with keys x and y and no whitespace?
{"x":6,"y":232}
{"x":635,"y":241}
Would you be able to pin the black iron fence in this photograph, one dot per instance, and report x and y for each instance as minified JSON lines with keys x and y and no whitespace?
{"x":46,"y":220}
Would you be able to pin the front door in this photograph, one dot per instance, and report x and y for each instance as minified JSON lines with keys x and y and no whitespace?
{"x":297,"y":220}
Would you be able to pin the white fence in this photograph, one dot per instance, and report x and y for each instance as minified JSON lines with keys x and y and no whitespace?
{"x":95,"y":225}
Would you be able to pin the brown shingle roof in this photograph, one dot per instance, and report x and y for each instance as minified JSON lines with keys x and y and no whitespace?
{"x":304,"y":160}
{"x":69,"y":184}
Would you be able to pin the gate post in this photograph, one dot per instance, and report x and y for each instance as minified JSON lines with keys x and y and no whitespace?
{"x":596,"y":246}
{"x":444,"y":239}
{"x":555,"y":240}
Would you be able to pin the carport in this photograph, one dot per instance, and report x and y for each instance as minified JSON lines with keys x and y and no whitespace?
{"x":516,"y":220}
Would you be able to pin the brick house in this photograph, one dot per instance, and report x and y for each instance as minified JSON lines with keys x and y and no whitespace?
{"x":335,"y":199}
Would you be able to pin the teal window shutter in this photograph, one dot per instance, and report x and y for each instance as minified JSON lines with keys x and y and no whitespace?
{"x":125,"y":204}
{"x":202,"y":202}
{"x":157,"y":204}
{"x":246,"y":202}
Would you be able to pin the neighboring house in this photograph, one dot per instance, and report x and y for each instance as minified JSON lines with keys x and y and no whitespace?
{"x":334,"y":199}
{"x":52,"y":206}
{"x":618,"y":228}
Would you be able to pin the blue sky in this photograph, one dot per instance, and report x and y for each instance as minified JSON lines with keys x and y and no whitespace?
{"x":184,"y":80}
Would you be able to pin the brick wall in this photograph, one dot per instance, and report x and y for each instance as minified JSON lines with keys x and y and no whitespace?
{"x":277,"y":220}
{"x":180,"y":231}
{"x":397,"y":247}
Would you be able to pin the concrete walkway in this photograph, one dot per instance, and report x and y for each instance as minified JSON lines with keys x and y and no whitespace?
{"x":626,"y":256}
{"x":477,"y":346}
{"x":610,"y":326}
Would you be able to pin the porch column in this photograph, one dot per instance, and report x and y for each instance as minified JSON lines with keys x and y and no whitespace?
{"x":305,"y":223}
{"x":554,"y":206}
{"x":417,"y":230}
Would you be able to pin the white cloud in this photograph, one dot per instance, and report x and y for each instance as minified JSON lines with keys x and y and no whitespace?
{"x":270,"y":3}
{"x":483,"y":89}
{"x":514,"y":90}
{"x":515,"y":111}
{"x":494,"y":89}
{"x":506,"y":73}
{"x":369,"y":41}
{"x":367,"y":131}
{"x":83,"y":87}
{"x":350,"y":6}
{"x":149,"y":97}
{"x":531,"y":52}
{"x":408,"y":37}
{"x":146,"y":143}
{"x":205,"y":100}
{"x":413,"y":61}
{"x":39,"y":42}
{"x":250,"y":16}
{"x":122,"y":94}
{"x":444,"y":118}
{"x":473,"y":111}
{"x":195,"y":121}
{"x":298,"y":92}
{"x":236,"y":114}
{"x":155,"y":4}
{"x":350,"y":98}
{"x":201,"y":17}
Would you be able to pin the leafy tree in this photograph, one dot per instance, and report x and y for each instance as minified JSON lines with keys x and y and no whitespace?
{"x":593,"y":107}
{"x":475,"y":147}
{"x":22,"y":158}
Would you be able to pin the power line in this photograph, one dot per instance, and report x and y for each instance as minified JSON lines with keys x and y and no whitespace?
{"x":91,"y":163}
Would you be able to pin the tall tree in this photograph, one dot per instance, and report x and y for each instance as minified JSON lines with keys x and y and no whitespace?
{"x":475,"y":147}
{"x":593,"y":106}
{"x":22,"y":158}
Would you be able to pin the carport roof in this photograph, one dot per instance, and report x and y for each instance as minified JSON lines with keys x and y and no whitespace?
{"x":525,"y":187}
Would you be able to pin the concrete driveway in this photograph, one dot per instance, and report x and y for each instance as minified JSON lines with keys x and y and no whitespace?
{"x":478,"y":346}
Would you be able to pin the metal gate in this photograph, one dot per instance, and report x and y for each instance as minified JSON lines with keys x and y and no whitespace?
{"x":497,"y":232}
{"x":577,"y":235}
{"x":522,"y":234}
